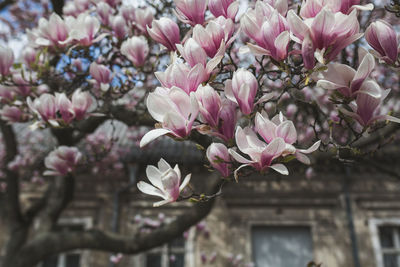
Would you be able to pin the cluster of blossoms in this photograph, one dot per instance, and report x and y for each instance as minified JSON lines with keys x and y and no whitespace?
{"x":191,"y":98}
{"x":250,"y":108}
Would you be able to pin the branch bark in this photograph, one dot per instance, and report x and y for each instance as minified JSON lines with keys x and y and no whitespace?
{"x":52,"y":243}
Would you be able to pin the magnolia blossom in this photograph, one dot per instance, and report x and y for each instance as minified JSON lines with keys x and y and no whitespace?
{"x":325,"y":35}
{"x":280,"y":127}
{"x":194,"y":54}
{"x":225,"y":8}
{"x":105,"y":12}
{"x":62,"y":161}
{"x":81,"y":102}
{"x":383,"y":38}
{"x":182,"y":76}
{"x":280,"y":5}
{"x":345,"y":79}
{"x":211,"y":37}
{"x":209,"y":104}
{"x":143,"y":19}
{"x":165,"y":182}
{"x":6,"y":60}
{"x":11,"y":113}
{"x":29,"y":56}
{"x":118,"y":24}
{"x":261,"y":154}
{"x":191,"y":11}
{"x":136,"y":50}
{"x":166,"y":32}
{"x":219,"y":158}
{"x":227,"y":120}
{"x":52,"y":32}
{"x":366,"y":108}
{"x":242,"y":90}
{"x":64,"y":107}
{"x":174,"y":109}
{"x":269,"y":29}
{"x":101,"y":74}
{"x":84,"y":29}
{"x":311,"y":8}
{"x":45,"y":108}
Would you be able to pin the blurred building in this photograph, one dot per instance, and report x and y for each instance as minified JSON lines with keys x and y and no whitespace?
{"x":343,"y":216}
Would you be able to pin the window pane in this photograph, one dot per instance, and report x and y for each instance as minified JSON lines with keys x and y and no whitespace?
{"x":177,"y":260}
{"x":390,"y":260}
{"x":386,"y":236}
{"x":51,"y":262}
{"x":282,"y":246}
{"x":72,"y":260}
{"x":177,"y":243}
{"x":153,"y":260}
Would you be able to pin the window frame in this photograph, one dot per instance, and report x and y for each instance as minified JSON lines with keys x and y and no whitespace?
{"x":278,"y":223}
{"x":374,"y":225}
{"x":188,"y":251}
{"x":87,"y":223}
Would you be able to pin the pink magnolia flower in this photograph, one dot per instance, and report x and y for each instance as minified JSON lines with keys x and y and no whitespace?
{"x":83,"y":29}
{"x":105,"y":13}
{"x":191,"y":11}
{"x":209,"y":104}
{"x":228,"y":119}
{"x":280,"y":5}
{"x":261,"y":154}
{"x":311,"y":8}
{"x":366,"y":108}
{"x":11,"y":113}
{"x":6,"y":60}
{"x":219,"y":158}
{"x":165,"y":182}
{"x":182,"y":76}
{"x":280,"y":127}
{"x":345,"y":79}
{"x":242,"y":90}
{"x":22,"y":83}
{"x":325,"y":35}
{"x":7,"y":94}
{"x":62,"y":161}
{"x":143,"y":19}
{"x":45,"y":108}
{"x":118,"y":24}
{"x":64,"y":107}
{"x":29,"y":56}
{"x":128,"y":13}
{"x":101,"y":74}
{"x":194,"y":54}
{"x":174,"y":109}
{"x":136,"y":50}
{"x":166,"y":32}
{"x":116,"y":258}
{"x":81,"y":102}
{"x":383,"y":38}
{"x":211,"y":37}
{"x":225,"y":8}
{"x":52,"y":32}
{"x":268,"y":29}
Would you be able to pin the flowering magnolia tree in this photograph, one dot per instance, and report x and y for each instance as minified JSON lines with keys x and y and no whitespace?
{"x":256,"y":85}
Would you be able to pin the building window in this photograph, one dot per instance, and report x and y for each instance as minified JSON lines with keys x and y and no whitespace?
{"x":385,"y":235}
{"x":281,"y":246}
{"x":70,"y":259}
{"x":390,"y":245}
{"x":169,"y":255}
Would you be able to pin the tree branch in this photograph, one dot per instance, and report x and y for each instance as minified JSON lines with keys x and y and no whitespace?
{"x":56,"y":242}
{"x":12,"y":193}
